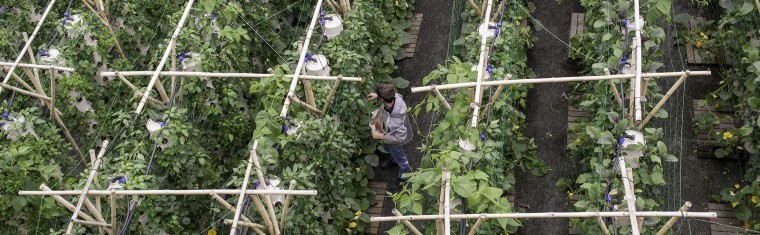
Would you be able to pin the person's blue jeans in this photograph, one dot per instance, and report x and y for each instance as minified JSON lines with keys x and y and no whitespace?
{"x":399,"y":157}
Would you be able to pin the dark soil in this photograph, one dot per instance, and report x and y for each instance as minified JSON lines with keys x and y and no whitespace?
{"x":546,"y":114}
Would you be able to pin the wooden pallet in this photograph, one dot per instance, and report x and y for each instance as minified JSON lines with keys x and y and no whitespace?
{"x":725,"y":217}
{"x":377,"y":207}
{"x":573,"y":116}
{"x":705,"y":143}
{"x":577,"y":26}
{"x":697,"y":56}
{"x":414,"y":33}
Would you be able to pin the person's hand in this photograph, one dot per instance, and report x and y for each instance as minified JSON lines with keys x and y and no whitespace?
{"x":377,"y":135}
{"x":372,"y":96}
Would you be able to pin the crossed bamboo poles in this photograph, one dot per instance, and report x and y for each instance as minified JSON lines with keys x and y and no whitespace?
{"x":271,"y":224}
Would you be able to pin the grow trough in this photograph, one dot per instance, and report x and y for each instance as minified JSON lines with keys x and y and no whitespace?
{"x":725,"y":216}
{"x":377,"y":206}
{"x":698,"y":56}
{"x":576,"y":26}
{"x":414,"y":32}
{"x":704,"y":142}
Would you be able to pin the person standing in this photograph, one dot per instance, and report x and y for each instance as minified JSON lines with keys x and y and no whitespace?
{"x":397,"y":129}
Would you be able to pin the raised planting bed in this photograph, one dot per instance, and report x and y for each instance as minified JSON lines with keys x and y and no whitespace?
{"x":414,"y":32}
{"x":705,"y":142}
{"x":726,"y":223}
{"x":574,"y":115}
{"x":576,"y":26}
{"x":696,"y":55}
{"x":377,"y":206}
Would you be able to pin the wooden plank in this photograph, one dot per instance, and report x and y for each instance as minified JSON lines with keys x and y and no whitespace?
{"x":377,"y":184}
{"x":721,"y":228}
{"x":581,"y":23}
{"x":717,"y":207}
{"x":729,"y":221}
{"x":724,"y":233}
{"x":573,"y":24}
{"x":373,"y":230}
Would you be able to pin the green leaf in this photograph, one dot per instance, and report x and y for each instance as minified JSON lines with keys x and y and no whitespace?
{"x":746,"y":8}
{"x":397,"y":230}
{"x":372,"y":159}
{"x":682,"y":18}
{"x":669,"y":158}
{"x":600,"y":23}
{"x":657,"y":178}
{"x":664,"y":6}
{"x":745,"y":130}
{"x":417,"y":208}
{"x":400,"y":82}
{"x":754,"y":102}
{"x":18,"y":203}
{"x":606,"y":36}
{"x":463,"y":186}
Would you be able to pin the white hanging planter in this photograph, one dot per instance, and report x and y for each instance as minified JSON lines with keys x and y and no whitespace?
{"x":632,"y":26}
{"x":293,"y":127}
{"x":72,"y":22}
{"x":632,"y":155}
{"x":489,"y":30}
{"x":274,"y":184}
{"x":93,"y":125}
{"x":333,"y":26}
{"x":627,"y":69}
{"x":189,"y":64}
{"x":466,"y":145}
{"x":51,"y":56}
{"x":318,"y":65}
{"x":152,"y":126}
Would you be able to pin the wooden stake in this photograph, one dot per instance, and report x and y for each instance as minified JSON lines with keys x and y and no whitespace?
{"x":263,"y":213}
{"x":113,"y":211}
{"x":408,"y":224}
{"x":97,"y":224}
{"x":104,"y":19}
{"x":482,"y":9}
{"x":88,"y":183}
{"x":495,"y":96}
{"x":267,"y":199}
{"x":286,"y":205}
{"x":477,"y":225}
{"x":439,"y":222}
{"x":31,"y":57}
{"x":333,"y":7}
{"x":602,"y":226}
{"x":446,"y":205}
{"x":345,"y":6}
{"x":65,"y":203}
{"x":24,"y":92}
{"x":305,"y":105}
{"x":161,"y":64}
{"x":330,"y":96}
{"x":442,"y":99}
{"x":673,"y":220}
{"x":246,"y":177}
{"x":612,"y":86}
{"x":136,"y":90}
{"x":308,"y":93}
{"x":664,"y":99}
{"x":19,"y":80}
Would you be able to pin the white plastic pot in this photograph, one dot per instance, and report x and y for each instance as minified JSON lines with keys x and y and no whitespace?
{"x":293,"y":129}
{"x":190,"y":64}
{"x":632,"y":26}
{"x":73,"y":22}
{"x":152,"y":126}
{"x":318,"y":66}
{"x":51,"y":58}
{"x":333,"y":26}
{"x":487,"y":29}
{"x":466,"y":145}
{"x":274,"y":184}
{"x":632,"y":155}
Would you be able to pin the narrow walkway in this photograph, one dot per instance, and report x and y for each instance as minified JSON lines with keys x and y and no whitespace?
{"x":546,"y":114}
{"x":430,"y":51}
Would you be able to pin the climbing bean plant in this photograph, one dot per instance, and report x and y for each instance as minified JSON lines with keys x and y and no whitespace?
{"x":485,"y":176}
{"x":739,"y":37}
{"x":604,"y":45}
{"x":206,"y":134}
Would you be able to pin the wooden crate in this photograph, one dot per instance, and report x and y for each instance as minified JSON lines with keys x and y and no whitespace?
{"x":693,"y":54}
{"x":705,"y":144}
{"x":573,"y":116}
{"x":377,"y":208}
{"x":414,"y":33}
{"x":726,"y":223}
{"x":577,"y":26}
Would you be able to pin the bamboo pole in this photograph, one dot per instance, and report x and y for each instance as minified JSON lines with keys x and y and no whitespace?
{"x":169,"y":192}
{"x":267,"y":198}
{"x":551,"y":215}
{"x":442,"y":99}
{"x":673,"y":220}
{"x":481,"y":63}
{"x":66,"y":204}
{"x":305,"y":105}
{"x":343,"y":5}
{"x":612,"y":86}
{"x":639,"y":60}
{"x":241,"y":197}
{"x":57,"y":118}
{"x":255,"y":226}
{"x":95,"y":209}
{"x":309,"y":93}
{"x":25,"y":65}
{"x":161,"y":64}
{"x":228,"y":75}
{"x":304,"y":50}
{"x":88,"y":183}
{"x":95,"y":212}
{"x":97,"y":224}
{"x":602,"y":226}
{"x":483,"y":9}
{"x":286,"y":205}
{"x":495,"y":96}
{"x":335,"y":9}
{"x":475,"y":227}
{"x":757,"y":4}
{"x":24,"y":92}
{"x":554,"y":80}
{"x":631,"y":90}
{"x":629,"y":196}
{"x":229,"y":207}
{"x":113,"y":211}
{"x":408,"y":224}
{"x":19,"y":80}
{"x":439,"y":222}
{"x":136,"y":90}
{"x":263,"y":212}
{"x":446,"y":205}
{"x":174,"y":67}
{"x":104,"y":19}
{"x":28,"y":43}
{"x":664,"y":99}
{"x":330,"y":96}
{"x":31,"y":57}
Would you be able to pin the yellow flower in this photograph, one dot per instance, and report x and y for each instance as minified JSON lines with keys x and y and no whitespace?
{"x":754,"y":199}
{"x":352,"y":225}
{"x":569,"y":195}
{"x":733,"y":204}
{"x":698,"y":44}
{"x":746,"y":224}
{"x":737,"y":186}
{"x":727,"y":135}
{"x":211,"y":232}
{"x":340,"y":209}
{"x":358,"y":213}
{"x":732,"y":193}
